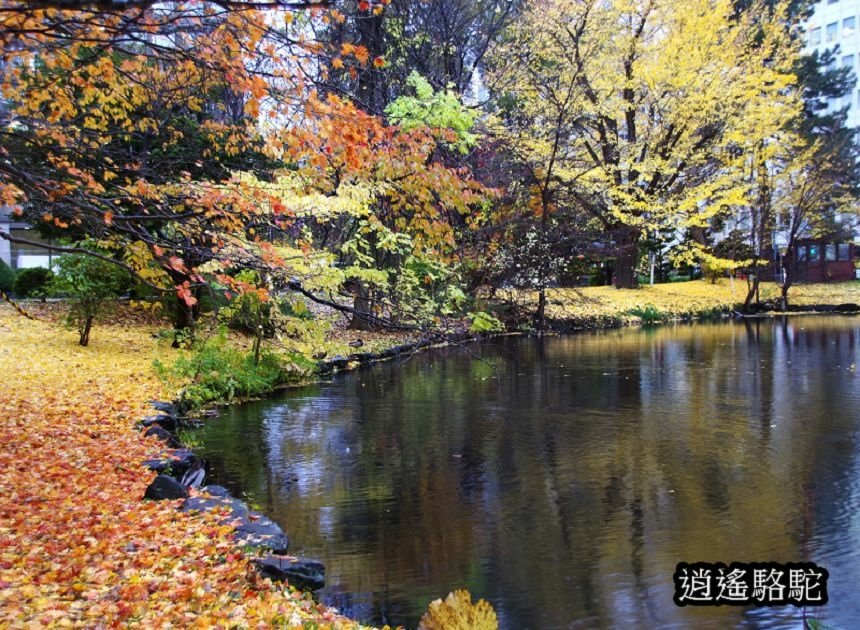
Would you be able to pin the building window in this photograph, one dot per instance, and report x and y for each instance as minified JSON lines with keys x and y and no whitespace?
{"x":815,"y":36}
{"x":848,"y":61}
{"x":830,"y":252}
{"x":848,"y":26}
{"x":813,"y":253}
{"x":844,"y":251}
{"x":801,"y":253}
{"x":831,"y":31}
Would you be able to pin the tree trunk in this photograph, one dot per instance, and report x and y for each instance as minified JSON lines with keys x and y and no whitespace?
{"x":540,"y":314}
{"x":185,"y":316}
{"x":787,"y":278}
{"x":543,"y":267}
{"x":371,"y":90}
{"x":362,"y":305}
{"x":652,"y":259}
{"x":258,"y":344}
{"x":625,"y":267}
{"x":784,"y":292}
{"x":752,"y":290}
{"x":85,"y":331}
{"x":183,"y":323}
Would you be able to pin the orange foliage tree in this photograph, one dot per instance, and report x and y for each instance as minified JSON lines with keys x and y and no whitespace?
{"x":417,"y":205}
{"x":128,"y":124}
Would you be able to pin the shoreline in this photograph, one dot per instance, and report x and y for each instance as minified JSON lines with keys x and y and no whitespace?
{"x":45,"y":357}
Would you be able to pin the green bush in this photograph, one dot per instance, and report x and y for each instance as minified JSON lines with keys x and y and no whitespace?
{"x":648,"y":315}
{"x":89,"y":283}
{"x":219,"y":373}
{"x":7,"y":277}
{"x":32,"y":282}
{"x":485,"y":323}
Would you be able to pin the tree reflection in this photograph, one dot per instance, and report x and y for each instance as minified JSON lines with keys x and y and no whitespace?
{"x":565,"y":481}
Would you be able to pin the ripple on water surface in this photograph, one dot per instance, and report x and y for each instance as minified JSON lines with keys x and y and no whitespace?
{"x":564,"y":478}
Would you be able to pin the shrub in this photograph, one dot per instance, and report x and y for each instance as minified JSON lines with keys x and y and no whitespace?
{"x":7,"y":277}
{"x":679,"y":278}
{"x":219,"y":373}
{"x":88,"y":282}
{"x":485,"y":323}
{"x":649,"y":315}
{"x":32,"y":282}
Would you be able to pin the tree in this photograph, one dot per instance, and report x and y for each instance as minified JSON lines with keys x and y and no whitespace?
{"x":111,"y":129}
{"x":378,"y":197}
{"x":89,"y":283}
{"x":444,"y":41}
{"x":802,"y":179}
{"x":640,"y":113}
{"x":125,"y":123}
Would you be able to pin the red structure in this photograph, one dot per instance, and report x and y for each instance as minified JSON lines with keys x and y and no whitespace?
{"x":816,"y":260}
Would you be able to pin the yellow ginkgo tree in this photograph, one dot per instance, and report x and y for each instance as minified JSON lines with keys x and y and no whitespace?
{"x":641,"y":114}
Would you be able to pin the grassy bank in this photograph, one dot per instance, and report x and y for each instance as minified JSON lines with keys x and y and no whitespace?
{"x":607,"y":306}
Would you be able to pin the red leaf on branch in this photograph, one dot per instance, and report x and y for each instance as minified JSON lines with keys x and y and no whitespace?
{"x":184,"y":292}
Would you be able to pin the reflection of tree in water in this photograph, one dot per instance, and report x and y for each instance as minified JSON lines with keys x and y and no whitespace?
{"x":567,"y":484}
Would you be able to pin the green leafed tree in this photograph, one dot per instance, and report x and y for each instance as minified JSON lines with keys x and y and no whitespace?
{"x":89,"y":283}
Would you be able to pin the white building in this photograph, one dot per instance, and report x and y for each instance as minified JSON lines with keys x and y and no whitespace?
{"x":837,"y":23}
{"x":21,"y":256}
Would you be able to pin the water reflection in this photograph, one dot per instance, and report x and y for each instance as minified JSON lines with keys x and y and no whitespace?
{"x":563,"y":479}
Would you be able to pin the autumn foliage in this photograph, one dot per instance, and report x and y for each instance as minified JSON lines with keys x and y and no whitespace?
{"x":78,"y":546}
{"x":238,"y":156}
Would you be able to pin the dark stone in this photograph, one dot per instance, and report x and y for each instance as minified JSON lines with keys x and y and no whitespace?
{"x":165,"y":487}
{"x":165,"y":407}
{"x":302,"y":573}
{"x":164,"y":435}
{"x":257,"y":530}
{"x":364,"y":357}
{"x":847,"y":308}
{"x":162,"y":420}
{"x":339,"y":362}
{"x":216,"y":491}
{"x":176,"y":462}
{"x":252,"y":530}
{"x":235,"y":508}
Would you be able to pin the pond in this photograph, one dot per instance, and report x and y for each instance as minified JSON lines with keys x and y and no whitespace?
{"x":563,"y":478}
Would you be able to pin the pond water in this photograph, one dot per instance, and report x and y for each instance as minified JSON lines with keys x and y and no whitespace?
{"x":563,"y":479}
